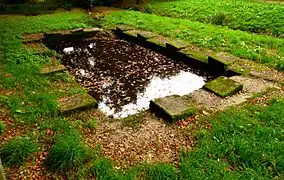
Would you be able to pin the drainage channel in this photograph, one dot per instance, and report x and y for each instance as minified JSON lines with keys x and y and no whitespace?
{"x":123,"y":76}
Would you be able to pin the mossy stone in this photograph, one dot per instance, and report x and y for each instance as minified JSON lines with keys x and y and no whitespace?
{"x":76,"y":102}
{"x":195,"y":55}
{"x":223,"y":86}
{"x":123,"y":27}
{"x":158,"y":42}
{"x":52,"y":68}
{"x":176,"y":45}
{"x":173,"y":108}
{"x":144,"y":35}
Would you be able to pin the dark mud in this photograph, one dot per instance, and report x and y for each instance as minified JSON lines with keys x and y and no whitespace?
{"x":124,"y":77}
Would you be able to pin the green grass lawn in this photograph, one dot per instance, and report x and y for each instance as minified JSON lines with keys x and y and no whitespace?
{"x":266,"y":49}
{"x":252,"y":16}
{"x":242,"y":143}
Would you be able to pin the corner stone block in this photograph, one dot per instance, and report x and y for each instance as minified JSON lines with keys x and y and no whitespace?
{"x":67,"y":105}
{"x":173,"y":108}
{"x":223,"y":86}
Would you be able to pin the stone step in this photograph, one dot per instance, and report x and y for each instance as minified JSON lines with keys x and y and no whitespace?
{"x":77,"y":102}
{"x":173,"y":108}
{"x":223,"y":86}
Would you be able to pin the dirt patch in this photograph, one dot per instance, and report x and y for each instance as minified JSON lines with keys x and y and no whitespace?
{"x":152,"y":141}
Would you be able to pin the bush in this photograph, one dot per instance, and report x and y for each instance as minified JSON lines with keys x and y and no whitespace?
{"x":222,"y":19}
{"x":161,"y":172}
{"x":68,"y":153}
{"x":2,"y":127}
{"x":17,"y":151}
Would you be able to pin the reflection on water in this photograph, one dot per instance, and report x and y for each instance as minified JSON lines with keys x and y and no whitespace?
{"x":181,"y":84}
{"x":124,"y":77}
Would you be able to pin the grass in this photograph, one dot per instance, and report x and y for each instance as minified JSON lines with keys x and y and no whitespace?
{"x":161,"y":172}
{"x":20,"y":67}
{"x":2,"y":127}
{"x":68,"y":153}
{"x":257,"y":17}
{"x":16,"y":151}
{"x":265,"y":49}
{"x":244,"y":143}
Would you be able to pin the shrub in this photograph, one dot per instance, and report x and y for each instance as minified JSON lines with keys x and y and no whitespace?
{"x":17,"y":151}
{"x":68,"y":153}
{"x":2,"y":127}
{"x":221,"y":19}
{"x":161,"y":172}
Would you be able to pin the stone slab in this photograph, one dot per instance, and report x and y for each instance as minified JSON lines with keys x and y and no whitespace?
{"x":159,"y":41}
{"x":33,"y":37}
{"x":76,"y":102}
{"x":52,"y":68}
{"x":173,"y":108}
{"x":77,"y":30}
{"x":123,"y":27}
{"x":176,"y":45}
{"x":223,"y":86}
{"x":198,"y":56}
{"x":144,"y":35}
{"x":220,"y":61}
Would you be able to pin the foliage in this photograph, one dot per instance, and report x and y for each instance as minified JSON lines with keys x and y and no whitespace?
{"x":16,"y":151}
{"x":68,"y":153}
{"x":2,"y":127}
{"x":252,"y":16}
{"x":220,"y":39}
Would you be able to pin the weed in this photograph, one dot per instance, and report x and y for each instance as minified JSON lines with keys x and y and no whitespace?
{"x":68,"y":153}
{"x":92,"y":123}
{"x":16,"y":151}
{"x":2,"y":127}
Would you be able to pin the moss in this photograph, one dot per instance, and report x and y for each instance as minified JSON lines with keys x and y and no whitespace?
{"x":173,"y":108}
{"x":223,"y":86}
